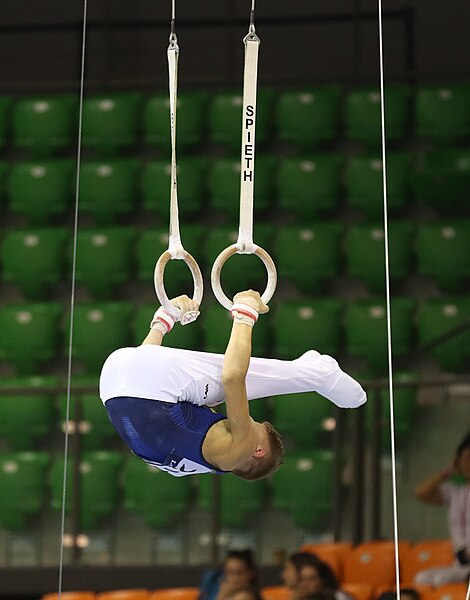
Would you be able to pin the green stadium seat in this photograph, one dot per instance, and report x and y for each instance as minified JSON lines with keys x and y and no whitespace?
{"x":442,"y":112}
{"x":99,"y":486}
{"x":241,"y":271}
{"x":225,"y":118}
{"x":105,"y":258}
{"x":309,"y":185}
{"x":4,"y":169}
{"x":224,"y":185}
{"x":33,"y":259}
{"x":153,"y":495}
{"x":6,"y":103}
{"x":364,"y":182}
{"x":443,"y":252}
{"x":306,"y":419}
{"x":44,"y":124}
{"x":308,"y":117}
{"x":41,"y":190}
{"x":441,"y":180}
{"x":182,"y":336}
{"x":30,"y":334}
{"x":24,"y":488}
{"x":156,"y":186}
{"x":191,"y":113}
{"x":309,"y":255}
{"x":99,"y":329}
{"x":404,"y":409}
{"x":109,"y":189}
{"x":111,"y":121}
{"x":363,"y":114}
{"x":87,"y":414}
{"x":153,"y":242}
{"x":365,"y":252}
{"x":312,"y":472}
{"x":26,"y":417}
{"x":260,"y":409}
{"x":241,"y":501}
{"x":217,"y":325}
{"x":438,"y":317}
{"x":300,"y":325}
{"x":366,"y":330}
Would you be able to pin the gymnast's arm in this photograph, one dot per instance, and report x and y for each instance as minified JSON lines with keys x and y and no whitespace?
{"x":162,"y":322}
{"x":155,"y":337}
{"x":241,"y":425}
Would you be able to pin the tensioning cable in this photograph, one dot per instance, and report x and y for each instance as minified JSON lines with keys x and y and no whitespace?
{"x":388,"y":305}
{"x":175,"y":247}
{"x":72,"y":298}
{"x":244,"y":243}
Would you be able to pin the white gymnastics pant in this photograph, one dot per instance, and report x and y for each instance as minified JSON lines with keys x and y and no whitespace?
{"x":172,"y":375}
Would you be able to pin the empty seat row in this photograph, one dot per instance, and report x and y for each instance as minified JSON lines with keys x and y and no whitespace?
{"x":304,"y":116}
{"x":306,"y":186}
{"x":310,"y":257}
{"x":32,"y":333}
{"x":173,"y":593}
{"x":107,"y":477}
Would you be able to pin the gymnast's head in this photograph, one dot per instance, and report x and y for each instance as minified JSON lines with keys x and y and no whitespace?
{"x":267,"y":458}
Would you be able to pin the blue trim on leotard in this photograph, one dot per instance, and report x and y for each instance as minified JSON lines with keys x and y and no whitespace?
{"x":163,"y":433}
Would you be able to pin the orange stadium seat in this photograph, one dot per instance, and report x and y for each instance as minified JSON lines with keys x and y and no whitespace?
{"x":451,"y":591}
{"x":78,"y":595}
{"x":276,"y":592}
{"x":333,"y":553}
{"x":131,"y":594}
{"x":371,"y":562}
{"x":175,"y":593}
{"x":425,"y":555}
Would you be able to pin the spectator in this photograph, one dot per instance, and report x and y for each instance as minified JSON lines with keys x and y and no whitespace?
{"x":317,"y":579}
{"x":291,"y":570}
{"x":238,"y":572}
{"x":451,"y":487}
{"x":306,"y":576}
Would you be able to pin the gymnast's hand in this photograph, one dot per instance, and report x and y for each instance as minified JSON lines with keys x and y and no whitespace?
{"x":189,"y":309}
{"x":253,"y":299}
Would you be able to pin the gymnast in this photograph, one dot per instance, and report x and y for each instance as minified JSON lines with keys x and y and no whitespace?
{"x":159,"y":399}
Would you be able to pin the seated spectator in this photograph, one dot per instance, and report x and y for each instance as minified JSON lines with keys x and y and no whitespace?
{"x":318,"y":579}
{"x":238,"y":572}
{"x":292,"y":566}
{"x":451,"y":487}
{"x":306,"y":576}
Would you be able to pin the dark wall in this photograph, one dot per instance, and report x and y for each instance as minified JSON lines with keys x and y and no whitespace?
{"x":40,"y":42}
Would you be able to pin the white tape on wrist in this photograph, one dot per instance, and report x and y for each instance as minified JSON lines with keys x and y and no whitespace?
{"x":162,"y":320}
{"x":243,"y":313}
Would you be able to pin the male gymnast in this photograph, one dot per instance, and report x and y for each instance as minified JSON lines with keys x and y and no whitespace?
{"x":159,"y":398}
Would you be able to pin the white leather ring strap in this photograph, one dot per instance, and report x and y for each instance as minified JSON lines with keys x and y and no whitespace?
{"x":221,"y":260}
{"x":160,"y":286}
{"x":175,"y":246}
{"x":245,"y":243}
